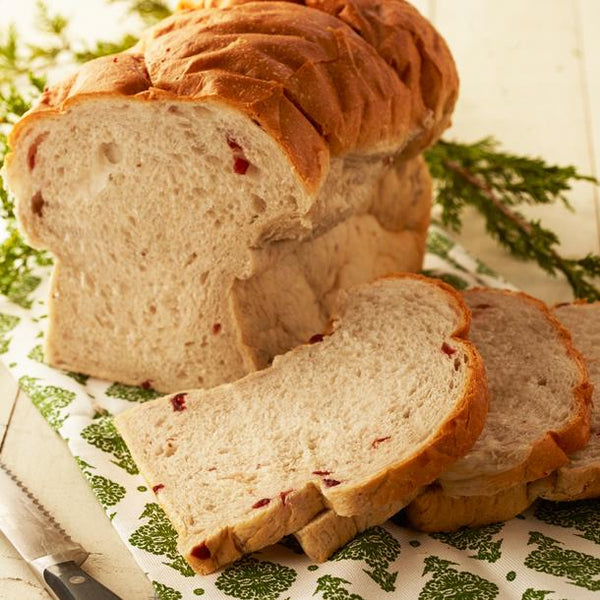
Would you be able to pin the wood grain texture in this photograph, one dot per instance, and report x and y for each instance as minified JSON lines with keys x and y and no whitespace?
{"x":589,"y":18}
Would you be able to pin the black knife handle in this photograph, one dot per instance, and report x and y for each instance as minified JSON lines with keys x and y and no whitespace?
{"x":69,"y":582}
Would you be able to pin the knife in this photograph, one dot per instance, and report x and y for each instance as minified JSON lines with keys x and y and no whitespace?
{"x":48,"y":550}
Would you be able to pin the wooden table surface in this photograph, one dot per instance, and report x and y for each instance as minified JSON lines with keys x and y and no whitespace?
{"x":530,"y":74}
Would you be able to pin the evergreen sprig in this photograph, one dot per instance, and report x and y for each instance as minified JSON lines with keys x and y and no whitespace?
{"x":496,"y":184}
{"x":151,"y":11}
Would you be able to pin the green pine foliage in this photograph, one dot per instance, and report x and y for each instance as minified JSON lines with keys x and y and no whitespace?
{"x":49,"y":400}
{"x":151,"y":11}
{"x":379,"y":549}
{"x":164,"y":592}
{"x":131,"y":393}
{"x":497,"y":184}
{"x":158,"y":537}
{"x":449,"y":584}
{"x":550,"y":557}
{"x":479,"y":540}
{"x":334,"y":588}
{"x":253,"y":579}
{"x":103,"y":434}
{"x":7,"y":324}
{"x":583,"y":516}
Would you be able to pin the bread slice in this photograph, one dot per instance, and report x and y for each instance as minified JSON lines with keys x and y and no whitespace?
{"x":580,"y":478}
{"x":539,"y":413}
{"x":355,"y":421}
{"x":174,"y":182}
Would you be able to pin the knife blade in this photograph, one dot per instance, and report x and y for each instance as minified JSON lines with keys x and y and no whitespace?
{"x":54,"y":557}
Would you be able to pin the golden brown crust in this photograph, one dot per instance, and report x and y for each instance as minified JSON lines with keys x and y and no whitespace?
{"x":454,"y":439}
{"x":571,"y":483}
{"x":325,"y":77}
{"x":549,"y":452}
{"x":503,"y":495}
{"x":435,"y":511}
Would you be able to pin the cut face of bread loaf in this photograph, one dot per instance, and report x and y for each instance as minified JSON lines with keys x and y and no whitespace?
{"x":190,"y":189}
{"x":539,"y":413}
{"x":580,"y":478}
{"x":162,"y":247}
{"x":354,"y":422}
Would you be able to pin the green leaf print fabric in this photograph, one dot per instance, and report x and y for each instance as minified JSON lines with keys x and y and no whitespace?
{"x":551,"y":553}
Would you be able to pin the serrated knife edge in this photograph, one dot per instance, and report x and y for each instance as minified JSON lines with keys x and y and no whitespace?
{"x":51,"y":553}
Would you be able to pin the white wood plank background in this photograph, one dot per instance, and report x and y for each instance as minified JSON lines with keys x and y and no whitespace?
{"x":530,"y":76}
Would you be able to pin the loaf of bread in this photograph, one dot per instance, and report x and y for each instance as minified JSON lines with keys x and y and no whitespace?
{"x":580,"y":477}
{"x":363,"y":417}
{"x":539,"y":413}
{"x":191,"y":187}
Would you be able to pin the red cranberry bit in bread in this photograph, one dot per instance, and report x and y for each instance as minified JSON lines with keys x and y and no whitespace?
{"x":240,"y":165}
{"x":261,"y":503}
{"x":37,"y":204}
{"x":217,"y":328}
{"x":315,"y":339}
{"x":483,"y":306}
{"x":146,"y":385}
{"x":33,"y":149}
{"x":321,"y":473}
{"x":240,"y":162}
{"x":157,"y":488}
{"x":31,"y":155}
{"x":201,"y":552}
{"x":233,"y":144}
{"x":331,"y":482}
{"x":178,"y":402}
{"x":378,"y":441}
{"x":449,"y":350}
{"x":284,"y":495}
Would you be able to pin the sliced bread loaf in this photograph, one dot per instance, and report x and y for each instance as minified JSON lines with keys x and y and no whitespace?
{"x":356,"y":421}
{"x":539,"y":413}
{"x":165,"y":178}
{"x":580,"y":478}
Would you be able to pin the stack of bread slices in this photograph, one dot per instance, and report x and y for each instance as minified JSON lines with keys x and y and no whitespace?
{"x":222,"y":201}
{"x":386,"y":410}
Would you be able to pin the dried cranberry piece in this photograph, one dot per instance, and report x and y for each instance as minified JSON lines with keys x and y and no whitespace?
{"x":157,"y":488}
{"x":233,"y":144}
{"x":315,"y":339}
{"x":331,"y":482}
{"x":284,"y":495}
{"x":483,"y":306}
{"x":178,"y":402}
{"x":216,"y":329}
{"x":261,"y":503}
{"x":449,"y":350}
{"x":321,"y":473}
{"x":378,"y":441}
{"x":201,"y":552}
{"x":146,"y":385}
{"x":240,"y":165}
{"x":31,"y":156}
